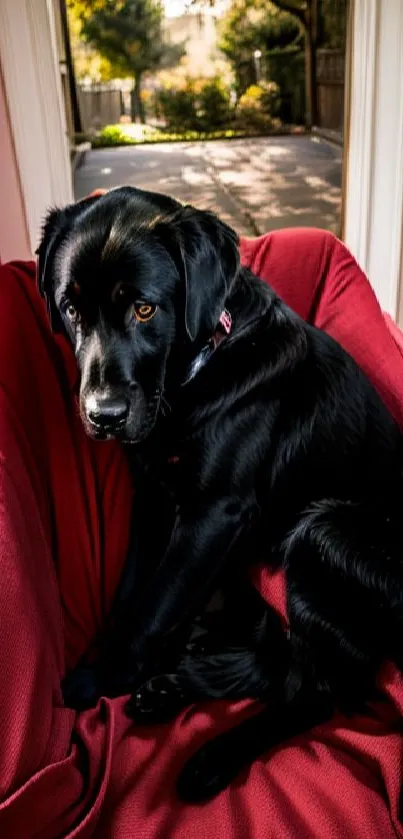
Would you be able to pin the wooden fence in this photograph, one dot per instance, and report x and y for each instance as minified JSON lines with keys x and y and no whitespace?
{"x":330,"y":75}
{"x":99,"y":106}
{"x":287,"y":68}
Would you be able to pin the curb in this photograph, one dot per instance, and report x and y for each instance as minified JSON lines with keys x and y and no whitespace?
{"x":334,"y":137}
{"x":77,"y":155}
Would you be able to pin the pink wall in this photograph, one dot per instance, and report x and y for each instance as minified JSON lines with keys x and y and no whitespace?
{"x":14,"y":241}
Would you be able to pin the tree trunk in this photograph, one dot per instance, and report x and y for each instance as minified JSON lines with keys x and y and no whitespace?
{"x":133,"y":113}
{"x":138,"y":113}
{"x":311,"y":86}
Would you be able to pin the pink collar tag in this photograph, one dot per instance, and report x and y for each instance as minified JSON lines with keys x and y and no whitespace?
{"x":207,"y":351}
{"x":226,"y":321}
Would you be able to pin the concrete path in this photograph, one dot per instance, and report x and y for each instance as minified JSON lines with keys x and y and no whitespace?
{"x":255,"y":185}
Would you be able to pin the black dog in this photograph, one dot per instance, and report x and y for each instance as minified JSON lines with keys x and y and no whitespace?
{"x":268,"y":439}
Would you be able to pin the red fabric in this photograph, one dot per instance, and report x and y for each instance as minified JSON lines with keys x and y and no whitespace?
{"x":64,"y":513}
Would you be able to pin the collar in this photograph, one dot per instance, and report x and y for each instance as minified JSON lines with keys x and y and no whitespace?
{"x":224,"y":328}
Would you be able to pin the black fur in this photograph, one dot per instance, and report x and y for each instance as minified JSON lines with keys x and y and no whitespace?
{"x":281,"y":449}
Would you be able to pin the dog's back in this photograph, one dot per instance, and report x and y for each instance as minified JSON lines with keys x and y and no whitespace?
{"x":314,"y":425}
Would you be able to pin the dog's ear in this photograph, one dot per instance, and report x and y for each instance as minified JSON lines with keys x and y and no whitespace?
{"x":210,"y":262}
{"x":57,"y":224}
{"x":52,"y":232}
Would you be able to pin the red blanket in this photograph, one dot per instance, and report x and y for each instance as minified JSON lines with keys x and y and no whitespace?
{"x":64,"y":512}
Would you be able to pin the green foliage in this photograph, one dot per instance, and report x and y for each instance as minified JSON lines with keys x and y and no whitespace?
{"x":254,"y":24}
{"x":88,"y":63}
{"x":270,"y":98}
{"x":258,"y":106}
{"x":125,"y":134}
{"x":331,"y":18}
{"x":117,"y":135}
{"x":214,"y":104}
{"x":296,"y":8}
{"x":196,"y":104}
{"x":129,"y":34}
{"x":332,"y":23}
{"x":84,"y":8}
{"x":179,"y":107}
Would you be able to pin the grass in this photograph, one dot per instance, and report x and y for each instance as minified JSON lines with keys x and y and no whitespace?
{"x":133,"y":134}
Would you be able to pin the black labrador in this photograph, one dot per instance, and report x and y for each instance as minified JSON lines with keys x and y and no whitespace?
{"x":259,"y":435}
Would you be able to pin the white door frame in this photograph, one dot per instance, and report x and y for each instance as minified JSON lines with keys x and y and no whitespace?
{"x":373,"y":183}
{"x":29,"y":60}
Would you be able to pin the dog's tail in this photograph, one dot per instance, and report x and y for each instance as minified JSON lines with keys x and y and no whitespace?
{"x":344,"y":567}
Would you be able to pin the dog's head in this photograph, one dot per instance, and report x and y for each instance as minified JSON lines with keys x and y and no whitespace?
{"x":138,"y":283}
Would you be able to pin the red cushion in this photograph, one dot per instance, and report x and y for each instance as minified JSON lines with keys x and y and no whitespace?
{"x":64,"y":514}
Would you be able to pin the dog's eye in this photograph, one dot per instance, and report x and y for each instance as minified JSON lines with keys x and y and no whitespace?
{"x":144,"y":311}
{"x":71,"y":313}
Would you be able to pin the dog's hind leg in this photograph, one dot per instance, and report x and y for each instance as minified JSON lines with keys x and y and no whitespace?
{"x":345,"y":594}
{"x":223,"y":658}
{"x":344,"y":570}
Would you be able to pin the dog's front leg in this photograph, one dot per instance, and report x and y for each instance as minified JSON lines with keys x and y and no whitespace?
{"x":200,"y":545}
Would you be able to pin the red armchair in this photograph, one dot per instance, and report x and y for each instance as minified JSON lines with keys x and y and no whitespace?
{"x":64,"y":513}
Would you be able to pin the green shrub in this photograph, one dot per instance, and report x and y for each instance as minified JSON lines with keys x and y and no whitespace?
{"x":109,"y":137}
{"x":197,"y":105}
{"x":124,"y":135}
{"x":258,"y":106}
{"x":112,"y":135}
{"x":214,"y":104}
{"x":270,"y":98}
{"x":179,"y":107}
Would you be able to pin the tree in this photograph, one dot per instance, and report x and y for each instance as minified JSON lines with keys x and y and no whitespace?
{"x":332,"y":24}
{"x":88,"y":63}
{"x":251,"y":25}
{"x":129,"y":34}
{"x":306,"y":13}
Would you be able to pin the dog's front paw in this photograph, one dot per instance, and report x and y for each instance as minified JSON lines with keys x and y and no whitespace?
{"x":207,"y":773}
{"x":157,"y":701}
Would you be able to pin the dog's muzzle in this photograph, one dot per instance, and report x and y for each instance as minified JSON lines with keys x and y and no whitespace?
{"x":106,"y":414}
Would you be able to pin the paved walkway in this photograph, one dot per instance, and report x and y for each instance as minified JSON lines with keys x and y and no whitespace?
{"x":255,"y":185}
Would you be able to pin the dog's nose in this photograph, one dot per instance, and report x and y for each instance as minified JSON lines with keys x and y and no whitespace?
{"x":106,"y":412}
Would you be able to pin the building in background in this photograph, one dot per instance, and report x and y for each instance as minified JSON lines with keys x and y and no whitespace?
{"x":198,"y":31}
